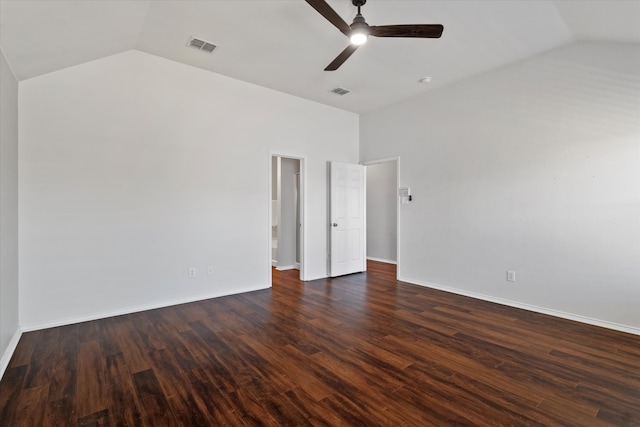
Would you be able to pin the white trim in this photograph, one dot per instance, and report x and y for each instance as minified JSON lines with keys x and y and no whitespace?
{"x":386,"y":261}
{"x":364,"y":214}
{"x":398,"y":220}
{"x":274,"y":263}
{"x":378,"y":161}
{"x":311,"y":279}
{"x":11,"y":348}
{"x":296,"y":266}
{"x":287,"y":267}
{"x":528,"y":307}
{"x":137,"y":309}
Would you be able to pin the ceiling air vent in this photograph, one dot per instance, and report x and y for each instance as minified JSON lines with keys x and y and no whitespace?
{"x":340,"y":91}
{"x":201,"y":45}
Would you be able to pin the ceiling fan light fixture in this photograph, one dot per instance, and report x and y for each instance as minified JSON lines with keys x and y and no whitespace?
{"x":359,"y":29}
{"x":358,"y":38}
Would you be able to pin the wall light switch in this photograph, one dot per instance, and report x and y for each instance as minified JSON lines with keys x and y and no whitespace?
{"x":405,"y":195}
{"x":404,"y":192}
{"x":511,"y":276}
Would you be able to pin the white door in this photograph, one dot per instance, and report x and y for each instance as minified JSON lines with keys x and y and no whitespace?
{"x":347,"y":223}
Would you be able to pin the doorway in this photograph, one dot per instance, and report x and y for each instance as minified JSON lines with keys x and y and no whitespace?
{"x":383,"y":215}
{"x":286,"y":213}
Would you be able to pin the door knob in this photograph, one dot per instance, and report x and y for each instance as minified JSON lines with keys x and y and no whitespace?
{"x":335,"y":224}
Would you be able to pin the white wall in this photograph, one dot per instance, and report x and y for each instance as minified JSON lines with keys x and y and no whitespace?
{"x":382,"y":211}
{"x":9,"y":326}
{"x":134,"y":168}
{"x":287,"y":224}
{"x":534,"y":168}
{"x":274,"y":178}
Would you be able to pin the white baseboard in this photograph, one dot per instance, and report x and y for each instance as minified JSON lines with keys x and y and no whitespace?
{"x":136,"y":309}
{"x":387,"y":261}
{"x":286,"y":267}
{"x":6,"y":357}
{"x":274,"y":263}
{"x":311,"y":279}
{"x":536,"y":309}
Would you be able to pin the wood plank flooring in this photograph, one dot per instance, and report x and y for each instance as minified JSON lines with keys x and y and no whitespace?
{"x":357,"y":350}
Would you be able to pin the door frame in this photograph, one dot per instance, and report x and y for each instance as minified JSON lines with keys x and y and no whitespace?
{"x":302,"y":200}
{"x":398,"y":217}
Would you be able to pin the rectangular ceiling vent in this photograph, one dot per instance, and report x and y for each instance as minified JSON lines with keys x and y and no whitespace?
{"x":340,"y":91}
{"x":202,"y":45}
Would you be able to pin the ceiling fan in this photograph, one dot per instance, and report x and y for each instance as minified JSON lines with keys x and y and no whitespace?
{"x":359,"y":31}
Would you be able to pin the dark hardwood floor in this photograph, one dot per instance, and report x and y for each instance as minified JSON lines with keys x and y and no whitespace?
{"x":357,"y":350}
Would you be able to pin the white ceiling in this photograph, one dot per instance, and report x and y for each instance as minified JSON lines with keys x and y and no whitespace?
{"x":285,"y":45}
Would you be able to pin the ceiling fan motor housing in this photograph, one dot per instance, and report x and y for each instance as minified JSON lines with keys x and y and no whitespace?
{"x":359,"y":22}
{"x":358,"y":3}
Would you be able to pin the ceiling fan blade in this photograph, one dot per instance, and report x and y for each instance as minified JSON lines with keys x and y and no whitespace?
{"x":330,"y":15}
{"x":344,"y":55}
{"x":429,"y":31}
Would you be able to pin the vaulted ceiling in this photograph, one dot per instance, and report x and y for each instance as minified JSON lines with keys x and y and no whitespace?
{"x":286,"y":44}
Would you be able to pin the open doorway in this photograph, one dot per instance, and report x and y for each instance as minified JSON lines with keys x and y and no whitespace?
{"x":383,"y":210}
{"x":286,"y":198}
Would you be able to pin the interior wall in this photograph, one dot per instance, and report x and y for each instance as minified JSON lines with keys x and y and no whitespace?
{"x":134,"y":168}
{"x":287,"y":225}
{"x":533,"y":168}
{"x":275,"y":179}
{"x":382,"y":212}
{"x":9,"y":321}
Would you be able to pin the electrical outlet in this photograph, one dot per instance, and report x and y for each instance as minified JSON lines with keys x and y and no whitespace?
{"x":192,"y":272}
{"x":511,"y":276}
{"x":210,"y":270}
